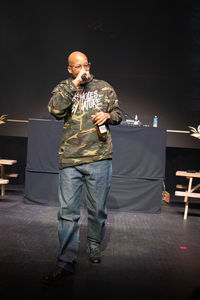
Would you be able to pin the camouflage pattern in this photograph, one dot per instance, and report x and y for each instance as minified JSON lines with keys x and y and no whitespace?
{"x":80,"y":142}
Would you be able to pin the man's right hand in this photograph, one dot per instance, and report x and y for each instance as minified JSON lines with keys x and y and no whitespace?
{"x":78,"y":80}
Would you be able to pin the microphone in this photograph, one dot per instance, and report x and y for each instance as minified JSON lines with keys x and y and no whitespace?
{"x":83,"y":77}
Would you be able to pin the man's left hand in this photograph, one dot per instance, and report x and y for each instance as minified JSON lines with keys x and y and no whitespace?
{"x":100,"y":118}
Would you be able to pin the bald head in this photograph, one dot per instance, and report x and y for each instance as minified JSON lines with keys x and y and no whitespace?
{"x":78,"y":65}
{"x":76,"y":56}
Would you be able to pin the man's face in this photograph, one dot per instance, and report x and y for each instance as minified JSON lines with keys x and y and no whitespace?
{"x":77,"y":64}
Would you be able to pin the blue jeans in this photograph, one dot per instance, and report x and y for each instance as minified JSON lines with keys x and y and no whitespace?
{"x":95,"y":179}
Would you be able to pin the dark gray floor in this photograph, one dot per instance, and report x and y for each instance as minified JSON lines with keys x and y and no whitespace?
{"x":142,"y":256}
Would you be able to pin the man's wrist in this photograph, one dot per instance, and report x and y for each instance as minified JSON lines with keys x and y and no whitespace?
{"x":76,"y":82}
{"x":108,"y":116}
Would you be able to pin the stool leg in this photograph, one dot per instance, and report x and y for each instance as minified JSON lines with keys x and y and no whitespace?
{"x":2,"y":190}
{"x":186,"y":209}
{"x":186,"y":199}
{"x":2,"y":186}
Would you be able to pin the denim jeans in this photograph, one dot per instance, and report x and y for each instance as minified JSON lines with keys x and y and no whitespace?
{"x":95,"y":179}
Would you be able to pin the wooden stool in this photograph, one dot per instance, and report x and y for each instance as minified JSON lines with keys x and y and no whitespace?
{"x":3,"y":178}
{"x":189,"y":192}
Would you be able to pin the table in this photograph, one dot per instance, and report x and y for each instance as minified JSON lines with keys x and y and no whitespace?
{"x":3,"y":179}
{"x":138,"y":166}
{"x":190,"y":190}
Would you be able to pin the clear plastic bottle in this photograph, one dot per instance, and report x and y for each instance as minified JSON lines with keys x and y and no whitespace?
{"x":136,"y":121}
{"x":155,"y":121}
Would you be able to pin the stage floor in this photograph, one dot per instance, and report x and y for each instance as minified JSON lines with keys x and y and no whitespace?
{"x":144,"y":256}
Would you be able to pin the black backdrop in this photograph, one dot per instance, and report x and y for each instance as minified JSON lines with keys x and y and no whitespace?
{"x":148,"y":51}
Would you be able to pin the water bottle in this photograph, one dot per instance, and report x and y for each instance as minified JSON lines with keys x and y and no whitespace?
{"x":136,"y":121}
{"x":155,"y":121}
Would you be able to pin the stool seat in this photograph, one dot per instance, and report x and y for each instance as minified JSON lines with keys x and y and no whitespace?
{"x":3,"y":181}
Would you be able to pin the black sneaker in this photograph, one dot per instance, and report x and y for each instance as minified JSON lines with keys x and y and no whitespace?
{"x":94,"y":255}
{"x":56,"y":275}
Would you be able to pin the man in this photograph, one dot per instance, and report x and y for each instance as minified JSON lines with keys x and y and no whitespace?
{"x":85,"y":104}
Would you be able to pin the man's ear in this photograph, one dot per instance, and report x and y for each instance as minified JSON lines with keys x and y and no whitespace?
{"x":69,"y":69}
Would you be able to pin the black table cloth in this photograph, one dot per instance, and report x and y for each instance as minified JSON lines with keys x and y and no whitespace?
{"x":138,"y":166}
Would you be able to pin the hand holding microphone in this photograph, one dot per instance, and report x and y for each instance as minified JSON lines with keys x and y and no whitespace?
{"x":84,"y":77}
{"x":81,"y":77}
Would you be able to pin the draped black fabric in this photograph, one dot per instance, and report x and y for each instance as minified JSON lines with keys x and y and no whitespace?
{"x":132,"y":194}
{"x":41,"y":177}
{"x":43,"y":142}
{"x":139,"y":152}
{"x":138,"y":166}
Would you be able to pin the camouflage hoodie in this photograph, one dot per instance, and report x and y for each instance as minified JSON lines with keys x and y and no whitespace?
{"x":80,"y":142}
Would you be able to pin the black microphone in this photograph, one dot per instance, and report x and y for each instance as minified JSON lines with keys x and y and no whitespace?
{"x":83,"y":77}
